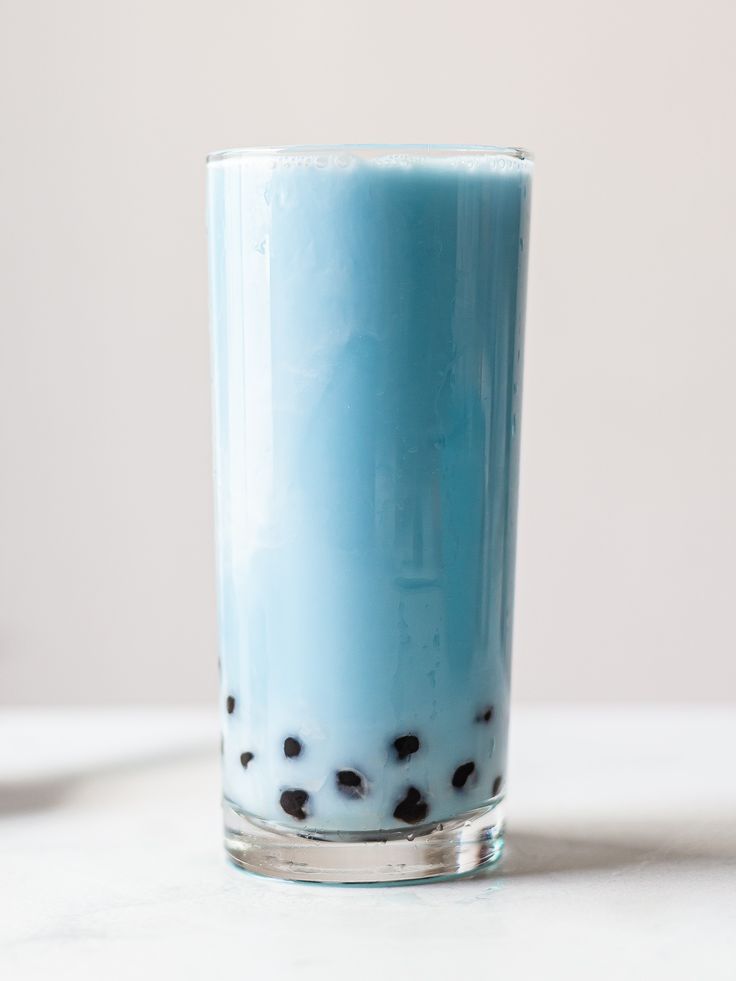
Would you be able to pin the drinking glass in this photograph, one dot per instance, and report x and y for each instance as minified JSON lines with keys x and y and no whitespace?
{"x":367,"y":310}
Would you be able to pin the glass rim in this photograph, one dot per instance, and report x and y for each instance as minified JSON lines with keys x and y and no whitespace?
{"x":370,"y":150}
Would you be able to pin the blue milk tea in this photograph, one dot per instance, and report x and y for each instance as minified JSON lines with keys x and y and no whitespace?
{"x":367,"y":318}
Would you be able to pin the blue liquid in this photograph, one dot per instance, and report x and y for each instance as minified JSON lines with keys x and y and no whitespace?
{"x":367,"y":320}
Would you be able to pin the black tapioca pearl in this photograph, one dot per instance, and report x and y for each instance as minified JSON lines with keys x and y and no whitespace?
{"x":245,"y":759}
{"x":460,"y":776}
{"x":293,"y":803}
{"x":292,"y":747}
{"x":351,"y":783}
{"x":405,"y":746}
{"x":496,"y":786}
{"x":485,"y":715}
{"x":411,"y":809}
{"x":230,"y":704}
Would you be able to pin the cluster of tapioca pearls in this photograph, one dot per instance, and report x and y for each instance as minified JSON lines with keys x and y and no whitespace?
{"x":411,"y":809}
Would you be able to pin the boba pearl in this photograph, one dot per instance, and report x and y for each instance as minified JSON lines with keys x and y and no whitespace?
{"x":293,"y":803}
{"x":406,"y":746}
{"x":351,"y":783}
{"x":411,"y":809}
{"x":292,"y":747}
{"x":460,"y":776}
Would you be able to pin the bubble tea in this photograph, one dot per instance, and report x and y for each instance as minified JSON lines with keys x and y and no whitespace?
{"x":367,"y":309}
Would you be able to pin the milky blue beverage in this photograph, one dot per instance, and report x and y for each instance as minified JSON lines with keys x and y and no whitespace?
{"x":367,"y":315}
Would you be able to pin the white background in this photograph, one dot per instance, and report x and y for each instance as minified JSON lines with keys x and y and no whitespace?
{"x":627,"y":526}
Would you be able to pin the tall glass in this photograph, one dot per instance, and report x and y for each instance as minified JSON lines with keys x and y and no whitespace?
{"x":367,"y":309}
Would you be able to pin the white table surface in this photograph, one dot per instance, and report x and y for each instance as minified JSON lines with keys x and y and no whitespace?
{"x":621,"y":860}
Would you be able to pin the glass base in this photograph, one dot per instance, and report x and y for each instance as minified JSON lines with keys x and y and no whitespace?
{"x":458,"y":846}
